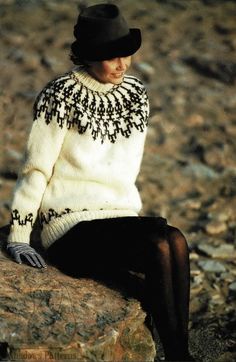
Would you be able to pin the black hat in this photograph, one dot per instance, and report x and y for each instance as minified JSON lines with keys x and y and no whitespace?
{"x":102,"y":33}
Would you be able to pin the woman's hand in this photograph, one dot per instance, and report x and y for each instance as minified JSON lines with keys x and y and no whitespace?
{"x":19,"y":250}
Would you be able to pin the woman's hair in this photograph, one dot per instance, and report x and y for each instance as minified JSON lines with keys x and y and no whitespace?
{"x":75,"y":57}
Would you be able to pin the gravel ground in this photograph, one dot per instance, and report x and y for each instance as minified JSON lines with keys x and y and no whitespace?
{"x":189,"y":168}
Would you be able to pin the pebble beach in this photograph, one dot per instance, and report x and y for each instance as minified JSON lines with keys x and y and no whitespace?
{"x":188,"y":175}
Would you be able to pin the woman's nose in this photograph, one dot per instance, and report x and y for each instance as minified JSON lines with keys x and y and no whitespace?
{"x":121,"y":63}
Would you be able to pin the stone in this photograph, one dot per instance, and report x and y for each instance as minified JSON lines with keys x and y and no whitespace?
{"x":196,"y":306}
{"x":14,"y":155}
{"x":184,"y":104}
{"x":195,"y":120}
{"x":211,"y":266}
{"x":227,"y":357}
{"x":45,"y":314}
{"x":199,"y":301}
{"x":192,"y":204}
{"x":216,"y":299}
{"x":221,"y":215}
{"x":215,"y":227}
{"x":145,"y":68}
{"x":197,"y":280}
{"x":232,"y":288}
{"x":193,"y":256}
{"x":179,"y":68}
{"x":16,"y":55}
{"x":224,"y":251}
{"x":224,"y":71}
{"x":227,"y":277}
{"x":200,"y":171}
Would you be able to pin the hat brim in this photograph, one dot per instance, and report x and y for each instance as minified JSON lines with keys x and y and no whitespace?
{"x":121,"y":47}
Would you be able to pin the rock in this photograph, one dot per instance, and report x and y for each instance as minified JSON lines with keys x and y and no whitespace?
{"x":232,"y":288}
{"x":48,"y":62}
{"x":46,"y":314}
{"x":225,"y":71}
{"x":14,"y":155}
{"x":215,"y":227}
{"x":216,"y":299}
{"x":16,"y":55}
{"x":227,"y":277}
{"x":200,"y":171}
{"x":8,"y":174}
{"x":145,"y":68}
{"x":199,"y":302}
{"x":192,"y":204}
{"x":195,"y":120}
{"x":227,"y":357}
{"x":220,"y":215}
{"x":223,"y":29}
{"x":187,"y":107}
{"x":193,"y":256}
{"x":211,"y":266}
{"x":215,"y":157}
{"x":179,"y":68}
{"x":224,"y":251}
{"x":196,"y":306}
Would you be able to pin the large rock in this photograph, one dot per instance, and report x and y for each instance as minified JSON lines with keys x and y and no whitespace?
{"x":45,"y":314}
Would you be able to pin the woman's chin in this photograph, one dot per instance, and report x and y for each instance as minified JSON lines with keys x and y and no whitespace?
{"x":116,"y":80}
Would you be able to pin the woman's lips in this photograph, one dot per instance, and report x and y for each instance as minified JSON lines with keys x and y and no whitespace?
{"x":118,"y":75}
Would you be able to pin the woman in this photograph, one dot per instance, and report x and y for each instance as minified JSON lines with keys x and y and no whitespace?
{"x":82,"y":160}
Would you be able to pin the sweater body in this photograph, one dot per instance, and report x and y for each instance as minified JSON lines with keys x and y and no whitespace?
{"x":82,"y":157}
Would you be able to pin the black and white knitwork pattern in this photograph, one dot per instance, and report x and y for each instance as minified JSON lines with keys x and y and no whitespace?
{"x":16,"y":218}
{"x":52,"y":214}
{"x":105,"y":115}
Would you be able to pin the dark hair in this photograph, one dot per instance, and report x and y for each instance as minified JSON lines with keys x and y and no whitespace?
{"x":74,"y":56}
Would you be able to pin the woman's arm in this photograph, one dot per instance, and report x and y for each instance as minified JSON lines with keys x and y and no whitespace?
{"x":42,"y":150}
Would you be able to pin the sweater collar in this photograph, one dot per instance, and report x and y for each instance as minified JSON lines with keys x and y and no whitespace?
{"x":88,"y":81}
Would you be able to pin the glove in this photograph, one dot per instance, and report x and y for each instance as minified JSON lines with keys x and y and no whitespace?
{"x":19,"y":250}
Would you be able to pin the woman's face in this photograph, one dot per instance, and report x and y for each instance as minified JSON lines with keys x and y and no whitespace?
{"x":110,"y":71}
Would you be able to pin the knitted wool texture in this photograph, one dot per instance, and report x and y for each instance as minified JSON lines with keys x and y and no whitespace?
{"x":82,"y":157}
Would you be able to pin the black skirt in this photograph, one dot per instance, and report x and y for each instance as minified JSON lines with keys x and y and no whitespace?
{"x":107,"y":244}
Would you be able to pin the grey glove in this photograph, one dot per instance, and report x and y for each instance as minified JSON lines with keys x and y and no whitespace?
{"x":19,"y":250}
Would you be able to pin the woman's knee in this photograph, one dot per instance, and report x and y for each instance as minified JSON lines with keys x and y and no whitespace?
{"x":174,"y":233}
{"x":162,"y":243}
{"x":159,"y":246}
{"x":176,"y":238}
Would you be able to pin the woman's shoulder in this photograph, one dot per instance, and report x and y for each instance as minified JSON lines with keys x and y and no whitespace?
{"x":54,"y":95}
{"x":57,"y":84}
{"x":135,"y":89}
{"x":135,"y":83}
{"x":134,"y":80}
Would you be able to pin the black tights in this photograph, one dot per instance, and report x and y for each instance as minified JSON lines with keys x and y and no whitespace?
{"x":167,"y":283}
{"x":142,"y":244}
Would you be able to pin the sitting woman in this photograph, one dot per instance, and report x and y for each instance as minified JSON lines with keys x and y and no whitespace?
{"x":82,"y":159}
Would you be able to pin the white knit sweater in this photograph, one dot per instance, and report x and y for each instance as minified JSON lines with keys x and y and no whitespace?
{"x":82,"y":157}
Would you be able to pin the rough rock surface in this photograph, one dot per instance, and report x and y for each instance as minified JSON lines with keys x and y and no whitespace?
{"x":45,"y":314}
{"x":188,"y":175}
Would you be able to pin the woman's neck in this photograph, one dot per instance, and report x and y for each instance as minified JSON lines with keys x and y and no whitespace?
{"x":86,"y":78}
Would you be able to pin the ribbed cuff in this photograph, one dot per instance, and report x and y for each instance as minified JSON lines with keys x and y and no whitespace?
{"x":19,"y":234}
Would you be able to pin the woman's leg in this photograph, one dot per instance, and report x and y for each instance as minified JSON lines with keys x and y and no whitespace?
{"x":167,"y":284}
{"x":181,"y":280}
{"x":142,"y":244}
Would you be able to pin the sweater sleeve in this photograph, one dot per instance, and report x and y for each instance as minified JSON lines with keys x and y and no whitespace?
{"x":43,"y":147}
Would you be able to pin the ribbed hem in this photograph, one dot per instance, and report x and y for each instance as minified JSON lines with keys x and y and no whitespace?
{"x":59,"y":226}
